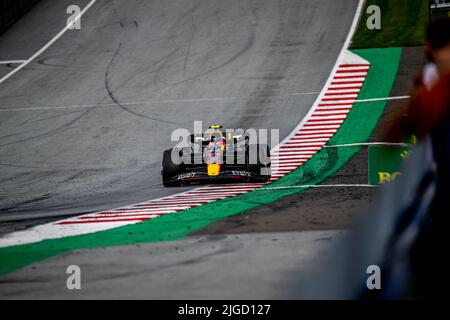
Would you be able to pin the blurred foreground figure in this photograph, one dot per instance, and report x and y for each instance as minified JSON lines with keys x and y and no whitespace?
{"x":404,"y":232}
{"x":428,"y":116}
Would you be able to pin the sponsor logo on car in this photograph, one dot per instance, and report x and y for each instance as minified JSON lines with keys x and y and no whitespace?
{"x":240,"y":173}
{"x":186,"y":175}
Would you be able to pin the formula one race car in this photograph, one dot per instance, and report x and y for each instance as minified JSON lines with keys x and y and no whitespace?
{"x":216,"y":156}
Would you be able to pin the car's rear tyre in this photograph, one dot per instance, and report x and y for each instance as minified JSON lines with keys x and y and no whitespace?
{"x":169,"y":169}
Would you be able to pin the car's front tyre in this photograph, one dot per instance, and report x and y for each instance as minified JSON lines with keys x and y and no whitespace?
{"x":169,"y":169}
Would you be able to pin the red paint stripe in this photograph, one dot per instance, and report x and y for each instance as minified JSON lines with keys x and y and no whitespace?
{"x":163,"y":206}
{"x":224,"y":189}
{"x":186,"y":197}
{"x":312,"y":137}
{"x":319,"y":145}
{"x":324,"y":120}
{"x":333,"y":114}
{"x":322,"y":123}
{"x":120,"y":211}
{"x":305,"y":136}
{"x":168,"y":200}
{"x":301,"y":148}
{"x":311,"y":129}
{"x":136,"y":216}
{"x":206,"y":191}
{"x":305,"y":142}
{"x":159,"y":205}
{"x":308,"y":134}
{"x":218,"y":192}
{"x":316,"y":139}
{"x":314,"y":122}
{"x":341,"y":93}
{"x":324,"y":133}
{"x":98,"y":220}
{"x":334,"y":109}
{"x":357,"y":70}
{"x":179,"y":202}
{"x":292,"y":158}
{"x":318,"y":134}
{"x":335,"y":104}
{"x":297,"y":155}
{"x":221,"y":192}
{"x":328,"y":111}
{"x":338,"y":99}
{"x":286,"y":158}
{"x":347,"y":82}
{"x":348,"y":77}
{"x":205,"y":198}
{"x":242,"y":186}
{"x":344,"y":88}
{"x":134,"y":209}
{"x":350,"y":65}
{"x":309,"y":148}
{"x":317,"y":126}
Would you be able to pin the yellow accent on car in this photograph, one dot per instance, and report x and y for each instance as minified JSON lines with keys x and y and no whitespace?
{"x":213,"y":170}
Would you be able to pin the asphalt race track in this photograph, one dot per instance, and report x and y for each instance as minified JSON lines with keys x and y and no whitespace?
{"x":254,"y":266}
{"x":84,"y":125}
{"x":86,"y":122}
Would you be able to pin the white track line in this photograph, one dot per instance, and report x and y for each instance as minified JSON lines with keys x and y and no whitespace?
{"x":384,"y":99}
{"x":138,"y":103}
{"x":12,"y":61}
{"x":53,"y":40}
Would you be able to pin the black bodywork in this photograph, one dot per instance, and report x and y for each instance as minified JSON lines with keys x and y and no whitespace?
{"x":237,"y":162}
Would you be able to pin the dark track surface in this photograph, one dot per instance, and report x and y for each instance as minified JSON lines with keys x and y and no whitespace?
{"x":244,"y":60}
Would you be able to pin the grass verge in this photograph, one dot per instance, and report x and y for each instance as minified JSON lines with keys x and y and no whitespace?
{"x":403,"y":23}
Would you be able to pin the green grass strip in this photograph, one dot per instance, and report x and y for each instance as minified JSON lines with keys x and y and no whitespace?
{"x":403,"y":23}
{"x":357,"y":127}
